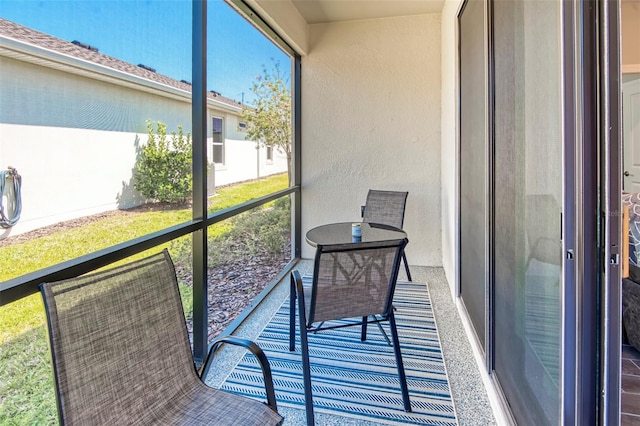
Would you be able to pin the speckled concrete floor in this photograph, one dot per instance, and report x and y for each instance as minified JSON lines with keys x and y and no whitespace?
{"x":469,"y":394}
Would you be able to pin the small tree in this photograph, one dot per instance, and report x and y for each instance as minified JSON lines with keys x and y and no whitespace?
{"x":269,"y":120}
{"x":163,"y":168}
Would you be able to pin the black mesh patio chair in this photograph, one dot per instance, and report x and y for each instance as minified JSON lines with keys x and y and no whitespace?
{"x":386,"y":208}
{"x":121,"y":353}
{"x":356,"y":281}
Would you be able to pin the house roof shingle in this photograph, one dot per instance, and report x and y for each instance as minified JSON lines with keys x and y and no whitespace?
{"x":24,"y":34}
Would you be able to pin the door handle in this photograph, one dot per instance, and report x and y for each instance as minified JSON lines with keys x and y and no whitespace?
{"x":627,"y":174}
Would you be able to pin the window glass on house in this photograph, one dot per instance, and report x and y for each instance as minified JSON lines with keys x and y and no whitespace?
{"x":270,"y":153}
{"x":217,"y":136}
{"x":513,"y":235}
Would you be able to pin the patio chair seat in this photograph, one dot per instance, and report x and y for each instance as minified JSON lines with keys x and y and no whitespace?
{"x":121,"y":354}
{"x":202,"y":405}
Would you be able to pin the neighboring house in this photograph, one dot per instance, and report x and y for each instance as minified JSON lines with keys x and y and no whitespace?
{"x":88,"y":122}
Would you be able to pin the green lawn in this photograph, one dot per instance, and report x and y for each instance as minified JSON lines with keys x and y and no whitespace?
{"x":26,"y":383}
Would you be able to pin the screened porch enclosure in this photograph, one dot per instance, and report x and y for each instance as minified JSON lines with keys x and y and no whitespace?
{"x":378,"y":98}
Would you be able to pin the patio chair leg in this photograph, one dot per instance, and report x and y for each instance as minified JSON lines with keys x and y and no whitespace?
{"x":401,"y":374}
{"x":363,"y":333}
{"x":406,"y":266}
{"x":306,"y":369}
{"x":306,"y":366}
{"x":384,"y":334}
{"x":292,"y":311}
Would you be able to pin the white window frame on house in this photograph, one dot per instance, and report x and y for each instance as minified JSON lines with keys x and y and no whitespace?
{"x":269,"y":154}
{"x":217,"y":145}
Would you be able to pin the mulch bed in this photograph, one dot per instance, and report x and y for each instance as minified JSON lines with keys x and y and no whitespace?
{"x":232,"y":287}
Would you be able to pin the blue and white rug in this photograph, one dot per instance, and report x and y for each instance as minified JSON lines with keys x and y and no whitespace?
{"x":358,"y":379}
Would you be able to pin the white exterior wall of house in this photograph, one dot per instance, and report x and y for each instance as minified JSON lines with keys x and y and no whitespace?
{"x":371,"y":120}
{"x":68,"y":173}
{"x":73,"y":140}
{"x":242,"y":161}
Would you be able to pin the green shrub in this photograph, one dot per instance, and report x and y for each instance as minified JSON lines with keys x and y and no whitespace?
{"x":163,"y":168}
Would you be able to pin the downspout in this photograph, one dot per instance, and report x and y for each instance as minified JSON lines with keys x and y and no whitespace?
{"x":258,"y":159}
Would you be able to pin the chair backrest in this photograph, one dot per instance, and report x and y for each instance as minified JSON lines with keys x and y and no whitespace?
{"x":385,"y":207}
{"x":119,"y":342}
{"x":354,"y":280}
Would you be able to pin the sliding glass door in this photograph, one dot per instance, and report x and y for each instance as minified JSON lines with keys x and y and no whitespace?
{"x":527,"y":202}
{"x":512,"y":179}
{"x":539,"y":152}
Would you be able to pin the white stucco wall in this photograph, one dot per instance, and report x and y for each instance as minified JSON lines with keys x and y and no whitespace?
{"x":243,"y":162}
{"x":449,"y":160}
{"x":68,"y":173}
{"x":371,"y":119}
{"x":73,"y":140}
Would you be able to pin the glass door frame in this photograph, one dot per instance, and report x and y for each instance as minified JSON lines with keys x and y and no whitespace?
{"x":591,"y":394}
{"x":483,"y":346}
{"x":591,"y":226}
{"x":610,"y":136}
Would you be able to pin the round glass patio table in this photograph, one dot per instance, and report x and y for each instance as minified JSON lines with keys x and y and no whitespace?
{"x":340,"y":233}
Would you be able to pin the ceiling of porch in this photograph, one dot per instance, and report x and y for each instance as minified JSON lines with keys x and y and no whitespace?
{"x":292,"y":19}
{"x":323,"y":11}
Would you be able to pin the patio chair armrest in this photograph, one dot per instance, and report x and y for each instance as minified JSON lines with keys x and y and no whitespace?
{"x":255,"y":351}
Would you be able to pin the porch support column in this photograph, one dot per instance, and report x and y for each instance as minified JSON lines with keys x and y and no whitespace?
{"x":199,"y":164}
{"x":296,"y":158}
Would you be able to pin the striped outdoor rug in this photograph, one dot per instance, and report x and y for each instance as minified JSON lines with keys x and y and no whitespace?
{"x":358,"y":379}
